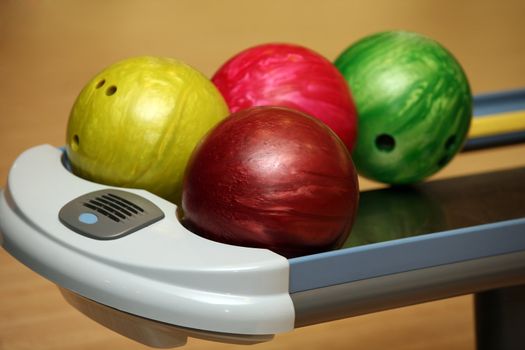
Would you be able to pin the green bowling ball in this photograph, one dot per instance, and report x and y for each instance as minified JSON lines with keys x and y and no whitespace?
{"x":414,"y":104}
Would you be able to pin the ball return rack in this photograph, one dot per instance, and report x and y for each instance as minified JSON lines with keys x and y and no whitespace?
{"x":121,"y":256}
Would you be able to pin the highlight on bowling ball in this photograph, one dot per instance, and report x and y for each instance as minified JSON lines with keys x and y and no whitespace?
{"x":136,"y":123}
{"x":289,"y":76}
{"x":414,"y":103}
{"x":274,"y":178}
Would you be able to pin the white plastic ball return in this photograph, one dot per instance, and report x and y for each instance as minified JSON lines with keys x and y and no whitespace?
{"x":121,"y":256}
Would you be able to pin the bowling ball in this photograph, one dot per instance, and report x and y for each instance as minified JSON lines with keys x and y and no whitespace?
{"x":414,"y":103}
{"x":274,"y":178}
{"x":290,"y":76}
{"x":136,"y":123}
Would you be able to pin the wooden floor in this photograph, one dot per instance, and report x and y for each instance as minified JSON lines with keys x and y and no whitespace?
{"x":49,"y":49}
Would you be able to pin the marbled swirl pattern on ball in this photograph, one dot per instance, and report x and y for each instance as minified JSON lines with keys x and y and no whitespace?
{"x":273,"y":178}
{"x":407,"y":87}
{"x":136,"y":123}
{"x":289,"y":76}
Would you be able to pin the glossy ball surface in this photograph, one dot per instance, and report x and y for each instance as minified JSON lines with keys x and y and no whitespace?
{"x":272,"y":178}
{"x":414,"y":103}
{"x":290,"y":76}
{"x":136,"y":123}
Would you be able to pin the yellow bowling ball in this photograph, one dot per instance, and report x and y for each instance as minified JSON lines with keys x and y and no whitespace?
{"x":136,"y":123}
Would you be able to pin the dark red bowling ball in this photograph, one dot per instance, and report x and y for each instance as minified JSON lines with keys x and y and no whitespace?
{"x":273,"y":178}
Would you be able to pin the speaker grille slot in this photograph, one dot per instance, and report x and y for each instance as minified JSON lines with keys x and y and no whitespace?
{"x":111,"y":208}
{"x":121,"y":210}
{"x":124,"y":203}
{"x":93,"y":205}
{"x":114,"y":207}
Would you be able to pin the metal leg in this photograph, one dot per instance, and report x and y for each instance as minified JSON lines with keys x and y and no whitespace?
{"x":500,"y":319}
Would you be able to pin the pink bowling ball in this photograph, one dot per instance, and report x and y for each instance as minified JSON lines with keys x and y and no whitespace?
{"x":289,"y":76}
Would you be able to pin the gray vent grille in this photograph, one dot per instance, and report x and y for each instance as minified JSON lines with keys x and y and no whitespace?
{"x":109,"y":214}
